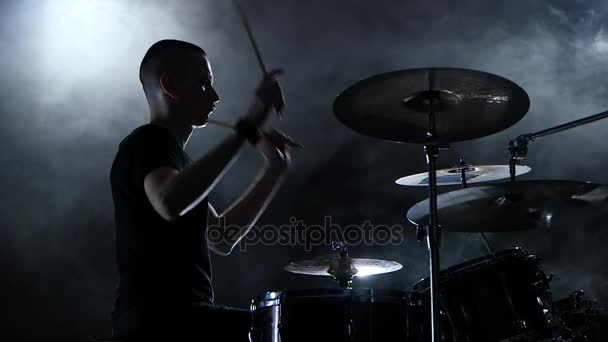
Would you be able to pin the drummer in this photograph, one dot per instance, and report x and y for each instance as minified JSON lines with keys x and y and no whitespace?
{"x":162,"y":213}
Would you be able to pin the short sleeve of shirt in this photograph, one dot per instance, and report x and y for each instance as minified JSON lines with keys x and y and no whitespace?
{"x":152,"y":148}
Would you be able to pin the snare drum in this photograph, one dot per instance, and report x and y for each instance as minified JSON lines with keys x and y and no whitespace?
{"x":336,"y":315}
{"x":497,"y":297}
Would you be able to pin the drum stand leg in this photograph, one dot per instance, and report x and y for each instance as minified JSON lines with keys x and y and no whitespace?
{"x":433,"y":240}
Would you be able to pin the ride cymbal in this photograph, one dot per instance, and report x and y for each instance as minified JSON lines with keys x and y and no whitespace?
{"x":467,"y":104}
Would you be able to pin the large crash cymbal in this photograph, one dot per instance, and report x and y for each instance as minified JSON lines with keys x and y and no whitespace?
{"x":468,"y":104}
{"x":515,"y":206}
{"x":474,"y":174}
{"x":329,"y":266}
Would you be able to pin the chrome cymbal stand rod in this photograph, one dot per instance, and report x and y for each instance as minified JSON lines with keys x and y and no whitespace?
{"x":433,"y":240}
{"x":463,"y":180}
{"x":434,"y":230}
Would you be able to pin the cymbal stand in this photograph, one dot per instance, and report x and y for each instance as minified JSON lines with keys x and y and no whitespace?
{"x":463,"y":179}
{"x":431,"y":149}
{"x":518,"y":147}
{"x":343,"y":271}
{"x":433,"y":237}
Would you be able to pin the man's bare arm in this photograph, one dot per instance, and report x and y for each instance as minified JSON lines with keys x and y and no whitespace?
{"x":245,"y":211}
{"x":174,"y":193}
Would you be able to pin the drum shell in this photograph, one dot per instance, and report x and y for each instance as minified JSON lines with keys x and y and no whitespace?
{"x":491,"y":298}
{"x":329,"y":315}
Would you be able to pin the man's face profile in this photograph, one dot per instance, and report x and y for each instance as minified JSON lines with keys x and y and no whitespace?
{"x":196,"y":97}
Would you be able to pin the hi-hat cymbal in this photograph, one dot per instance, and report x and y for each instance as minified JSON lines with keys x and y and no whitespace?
{"x":468,"y":104}
{"x":329,"y":266}
{"x":474,"y":174}
{"x":515,"y":206}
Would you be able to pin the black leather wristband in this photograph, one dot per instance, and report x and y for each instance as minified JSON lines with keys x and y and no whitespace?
{"x":247,"y":130}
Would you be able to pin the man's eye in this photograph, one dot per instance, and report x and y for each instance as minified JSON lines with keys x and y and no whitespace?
{"x":204,"y":87}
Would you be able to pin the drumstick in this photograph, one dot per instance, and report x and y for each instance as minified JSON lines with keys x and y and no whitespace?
{"x":256,"y":50}
{"x":220,"y":123}
{"x":290,"y":141}
{"x":245,"y":21}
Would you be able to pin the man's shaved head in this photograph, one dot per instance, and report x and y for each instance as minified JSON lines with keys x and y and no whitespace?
{"x":177,"y":80}
{"x":166,"y":56}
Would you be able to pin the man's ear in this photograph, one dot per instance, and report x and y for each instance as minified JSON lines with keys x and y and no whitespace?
{"x":167,"y":85}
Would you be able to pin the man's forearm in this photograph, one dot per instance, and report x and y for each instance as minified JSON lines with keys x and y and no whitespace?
{"x":194,"y":183}
{"x":245,"y":211}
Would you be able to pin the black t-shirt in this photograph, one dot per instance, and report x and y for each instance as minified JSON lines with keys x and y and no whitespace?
{"x":162,"y":265}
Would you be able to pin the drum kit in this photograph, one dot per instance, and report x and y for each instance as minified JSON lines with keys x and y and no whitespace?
{"x":503,"y":296}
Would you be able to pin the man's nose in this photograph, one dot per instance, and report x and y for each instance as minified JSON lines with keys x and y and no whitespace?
{"x":214,"y":95}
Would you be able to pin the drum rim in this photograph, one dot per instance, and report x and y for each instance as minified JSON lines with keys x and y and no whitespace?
{"x":360,"y":295}
{"x":422,"y":284}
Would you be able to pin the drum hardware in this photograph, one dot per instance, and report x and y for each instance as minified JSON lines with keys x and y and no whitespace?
{"x":518,"y":147}
{"x":577,"y":318}
{"x":343,"y":271}
{"x":343,"y":268}
{"x":503,"y":296}
{"x":337,"y":314}
{"x":432,"y":107}
{"x":519,"y":323}
{"x":463,"y":178}
{"x":497,"y":297}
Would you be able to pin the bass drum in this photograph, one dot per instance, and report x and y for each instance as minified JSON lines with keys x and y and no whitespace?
{"x":499,"y":297}
{"x":332,"y":315}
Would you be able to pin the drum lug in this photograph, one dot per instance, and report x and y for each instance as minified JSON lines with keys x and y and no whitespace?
{"x":533,"y":257}
{"x":543,"y":280}
{"x":576,"y":296}
{"x":540,"y":285}
{"x":521,"y":324}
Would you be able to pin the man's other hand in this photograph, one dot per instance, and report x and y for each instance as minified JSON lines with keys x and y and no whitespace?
{"x":268,"y":95}
{"x":276,"y":146}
